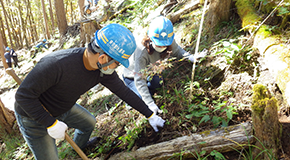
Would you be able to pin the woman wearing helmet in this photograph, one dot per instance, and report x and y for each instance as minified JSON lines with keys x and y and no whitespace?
{"x":46,"y":99}
{"x":158,"y":44}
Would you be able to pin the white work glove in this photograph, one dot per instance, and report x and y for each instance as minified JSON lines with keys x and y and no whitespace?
{"x":154,"y":108}
{"x":156,"y":121}
{"x":194,"y":57}
{"x":57,"y":130}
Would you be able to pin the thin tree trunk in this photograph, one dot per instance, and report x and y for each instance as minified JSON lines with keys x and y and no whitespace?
{"x":81,"y":6}
{"x":61,"y":17}
{"x":3,"y":32}
{"x":23,"y":28}
{"x":45,"y":19}
{"x":16,"y":31}
{"x":71,"y":12}
{"x":33,"y":32}
{"x":6,"y":22}
{"x":51,"y":16}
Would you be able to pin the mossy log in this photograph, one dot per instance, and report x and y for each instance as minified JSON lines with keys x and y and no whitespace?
{"x":266,"y":125}
{"x":277,"y":56}
{"x":222,"y":140}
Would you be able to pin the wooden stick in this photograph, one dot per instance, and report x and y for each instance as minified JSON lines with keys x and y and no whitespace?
{"x":76,"y":147}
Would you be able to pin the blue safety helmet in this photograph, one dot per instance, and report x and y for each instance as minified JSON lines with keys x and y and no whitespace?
{"x":44,"y":40}
{"x":7,"y":48}
{"x":117,"y":41}
{"x":161,"y":31}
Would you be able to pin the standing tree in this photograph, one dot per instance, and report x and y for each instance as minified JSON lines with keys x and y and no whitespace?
{"x":61,"y":17}
{"x":22,"y":24}
{"x":6,"y":22}
{"x":51,"y":16}
{"x":219,"y":11}
{"x":45,"y":19}
{"x":81,"y":6}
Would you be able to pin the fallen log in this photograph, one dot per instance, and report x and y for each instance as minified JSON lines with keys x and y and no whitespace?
{"x":275,"y":53}
{"x":188,"y":8}
{"x":222,"y":140}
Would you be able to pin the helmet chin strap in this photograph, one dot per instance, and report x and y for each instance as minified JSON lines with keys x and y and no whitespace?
{"x":100,"y":66}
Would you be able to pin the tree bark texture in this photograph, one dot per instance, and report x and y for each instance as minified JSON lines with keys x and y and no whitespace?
{"x":45,"y":19}
{"x":267,"y":127}
{"x":22,"y":24}
{"x":222,"y":140}
{"x":3,"y":32}
{"x":276,"y":55}
{"x":88,"y":30}
{"x":219,"y":11}
{"x":81,"y":7}
{"x":6,"y":22}
{"x":61,"y":17}
{"x":51,"y":17}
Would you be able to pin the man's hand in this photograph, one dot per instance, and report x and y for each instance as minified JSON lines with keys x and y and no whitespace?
{"x":156,"y":121}
{"x":154,"y":108}
{"x":57,"y":130}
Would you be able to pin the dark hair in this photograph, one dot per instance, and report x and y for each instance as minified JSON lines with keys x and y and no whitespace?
{"x":147,"y":43}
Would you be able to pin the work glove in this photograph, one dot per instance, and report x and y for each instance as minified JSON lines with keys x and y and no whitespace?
{"x":154,"y":108}
{"x":156,"y":121}
{"x":194,"y":57}
{"x":57,"y":130}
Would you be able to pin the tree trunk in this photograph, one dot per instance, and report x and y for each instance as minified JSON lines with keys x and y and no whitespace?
{"x":265,"y":122}
{"x":219,"y":11}
{"x":81,"y":6}
{"x":45,"y":19}
{"x":61,"y":17}
{"x":3,"y":32}
{"x":6,"y":22}
{"x":51,"y":16}
{"x":16,"y":31}
{"x":88,"y":31}
{"x":23,"y":27}
{"x":222,"y":140}
{"x":32,"y":28}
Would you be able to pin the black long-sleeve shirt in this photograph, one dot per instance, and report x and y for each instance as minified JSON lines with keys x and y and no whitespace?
{"x":58,"y":80}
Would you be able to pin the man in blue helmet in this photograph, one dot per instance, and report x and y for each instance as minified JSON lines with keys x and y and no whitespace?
{"x":46,"y":100}
{"x":91,"y":7}
{"x":9,"y":55}
{"x":39,"y":46}
{"x":158,"y":44}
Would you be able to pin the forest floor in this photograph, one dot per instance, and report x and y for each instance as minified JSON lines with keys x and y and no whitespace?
{"x":215,"y":85}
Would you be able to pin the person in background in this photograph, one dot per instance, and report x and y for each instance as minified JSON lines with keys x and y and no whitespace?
{"x":158,"y":44}
{"x":9,"y":55}
{"x":91,"y":7}
{"x":39,"y":46}
{"x":46,"y":105}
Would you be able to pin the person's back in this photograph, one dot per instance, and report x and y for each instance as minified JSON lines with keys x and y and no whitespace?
{"x":8,"y":57}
